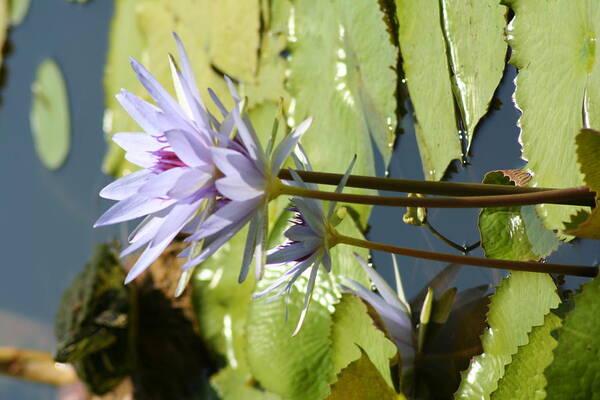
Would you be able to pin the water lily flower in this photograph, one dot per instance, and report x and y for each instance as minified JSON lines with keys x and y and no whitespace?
{"x":177,"y":179}
{"x":248,"y":184}
{"x":309,"y":241}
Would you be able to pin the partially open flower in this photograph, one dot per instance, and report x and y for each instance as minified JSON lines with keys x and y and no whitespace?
{"x":309,"y":242}
{"x":178,"y":175}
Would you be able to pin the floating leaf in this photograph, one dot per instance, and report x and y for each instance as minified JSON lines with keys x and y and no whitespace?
{"x":49,"y":118}
{"x":520,"y":303}
{"x":575,"y":372}
{"x":342,"y":74}
{"x":474,"y":31}
{"x":231,"y":384}
{"x":425,"y":65}
{"x":118,"y":75}
{"x":235,"y":37}
{"x":362,"y":380}
{"x":586,"y":224}
{"x":557,"y":78}
{"x":514,"y":233}
{"x":524,"y":378}
{"x":354,"y":334}
{"x":18,"y":11}
{"x":92,"y":323}
{"x":221,"y":303}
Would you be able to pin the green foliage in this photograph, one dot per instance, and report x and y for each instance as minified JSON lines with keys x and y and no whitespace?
{"x":354,"y":333}
{"x":524,"y":378}
{"x":575,"y":371}
{"x":558,"y":76}
{"x":362,"y":380}
{"x":92,"y":323}
{"x":519,"y":304}
{"x":425,"y":65}
{"x":231,"y":384}
{"x":4,"y":20}
{"x":344,"y":82}
{"x":514,"y":233}
{"x":50,"y":118}
{"x":474,"y":31}
{"x":586,"y":224}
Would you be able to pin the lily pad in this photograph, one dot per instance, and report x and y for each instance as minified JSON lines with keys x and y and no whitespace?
{"x":584,"y":224}
{"x":514,"y":233}
{"x":18,"y":11}
{"x":117,"y":75}
{"x":524,"y":378}
{"x":342,"y":73}
{"x":362,"y":380}
{"x":354,"y":333}
{"x":50,"y":118}
{"x":519,"y":304}
{"x":557,"y":79}
{"x":232,"y":384}
{"x":474,"y":32}
{"x":235,"y":37}
{"x":575,"y":372}
{"x":425,"y":65}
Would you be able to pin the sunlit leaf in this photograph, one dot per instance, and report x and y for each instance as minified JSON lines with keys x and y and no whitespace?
{"x":519,"y":304}
{"x":584,"y":224}
{"x":474,"y":31}
{"x":342,"y":74}
{"x":118,"y":75}
{"x":574,"y":373}
{"x":425,"y":65}
{"x":221,"y":303}
{"x":50,"y":118}
{"x":514,"y":233}
{"x":362,"y":380}
{"x":235,"y":37}
{"x":18,"y":11}
{"x":232,"y":384}
{"x":4,"y":19}
{"x":524,"y":378}
{"x":557,"y":79}
{"x":353,"y":333}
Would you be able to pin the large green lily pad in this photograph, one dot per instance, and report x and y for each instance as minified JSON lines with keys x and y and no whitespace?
{"x":524,"y":378}
{"x":558,"y":76}
{"x":575,"y":372}
{"x":519,"y":304}
{"x":50,"y":119}
{"x":342,"y":74}
{"x":514,"y":233}
{"x":425,"y":65}
{"x":474,"y":31}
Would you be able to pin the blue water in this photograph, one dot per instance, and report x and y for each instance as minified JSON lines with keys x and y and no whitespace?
{"x":47,"y":216}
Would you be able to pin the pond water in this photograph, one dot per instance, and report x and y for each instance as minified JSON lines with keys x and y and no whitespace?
{"x":47,"y":217}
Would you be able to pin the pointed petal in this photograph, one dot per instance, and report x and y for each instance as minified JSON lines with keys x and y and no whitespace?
{"x":250,"y":141}
{"x":290,"y":253}
{"x":248,"y":249}
{"x":236,"y":165}
{"x":340,"y":186}
{"x":148,"y":257}
{"x":286,"y":146}
{"x":159,"y":185}
{"x":147,"y":116}
{"x":125,"y":186}
{"x":193,"y":181}
{"x":188,"y":72}
{"x":307,"y":297}
{"x":189,"y":148}
{"x":225,"y":217}
{"x":131,"y":208}
{"x":176,"y":220}
{"x":260,"y":254}
{"x":384,"y":289}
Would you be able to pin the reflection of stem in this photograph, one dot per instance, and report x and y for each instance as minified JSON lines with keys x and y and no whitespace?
{"x":532,"y":266}
{"x":573,"y":196}
{"x":463,"y":249}
{"x":415,"y":186}
{"x":35,"y":366}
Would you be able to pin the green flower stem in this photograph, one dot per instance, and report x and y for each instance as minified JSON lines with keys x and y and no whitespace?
{"x":572,"y":196}
{"x":415,"y":186}
{"x":575,"y":270}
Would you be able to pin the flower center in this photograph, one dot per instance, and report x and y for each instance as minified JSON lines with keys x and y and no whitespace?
{"x":165,"y":160}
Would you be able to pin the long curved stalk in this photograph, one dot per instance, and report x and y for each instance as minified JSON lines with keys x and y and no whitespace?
{"x":458,"y":189}
{"x":579,"y":196}
{"x":531,"y":266}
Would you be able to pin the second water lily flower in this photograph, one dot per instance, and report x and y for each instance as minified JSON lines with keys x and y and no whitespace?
{"x":310,"y":239}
